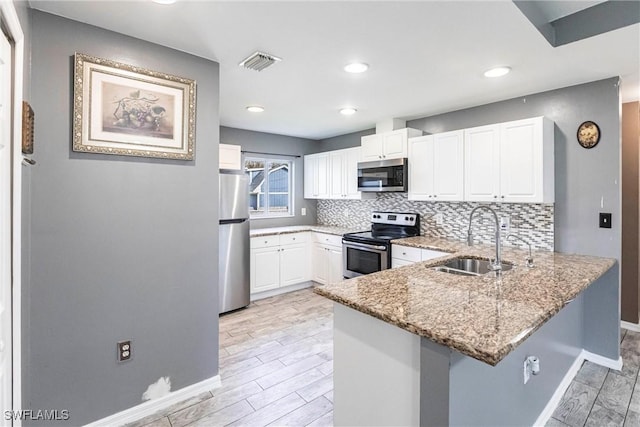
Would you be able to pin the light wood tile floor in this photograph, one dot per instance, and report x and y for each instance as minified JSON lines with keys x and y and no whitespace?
{"x":276,"y":365}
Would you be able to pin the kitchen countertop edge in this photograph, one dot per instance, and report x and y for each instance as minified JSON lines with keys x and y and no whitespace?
{"x":467,"y":347}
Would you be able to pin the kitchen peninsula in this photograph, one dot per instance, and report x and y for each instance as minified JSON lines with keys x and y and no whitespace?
{"x":416,"y":346}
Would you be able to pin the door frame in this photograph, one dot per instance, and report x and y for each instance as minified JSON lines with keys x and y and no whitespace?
{"x":9,"y":18}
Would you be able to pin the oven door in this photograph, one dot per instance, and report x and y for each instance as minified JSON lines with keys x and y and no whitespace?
{"x":362,"y":258}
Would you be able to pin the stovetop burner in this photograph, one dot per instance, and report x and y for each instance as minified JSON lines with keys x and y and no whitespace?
{"x":386,"y":226}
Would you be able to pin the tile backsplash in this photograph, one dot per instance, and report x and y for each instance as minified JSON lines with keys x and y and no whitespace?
{"x":532,"y":222}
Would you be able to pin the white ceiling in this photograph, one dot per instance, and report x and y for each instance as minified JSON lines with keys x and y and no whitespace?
{"x":426,"y":57}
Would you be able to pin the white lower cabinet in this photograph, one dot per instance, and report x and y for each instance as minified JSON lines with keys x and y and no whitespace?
{"x":405,"y":255}
{"x":278,"y":261}
{"x":327,"y":258}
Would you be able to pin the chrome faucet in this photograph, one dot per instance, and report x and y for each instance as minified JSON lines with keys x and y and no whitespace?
{"x":529,"y":259}
{"x":497,"y":264}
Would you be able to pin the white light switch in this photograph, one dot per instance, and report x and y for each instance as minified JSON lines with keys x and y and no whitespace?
{"x":303,"y":211}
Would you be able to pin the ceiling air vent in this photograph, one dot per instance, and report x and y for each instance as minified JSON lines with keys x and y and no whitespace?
{"x":259,"y":61}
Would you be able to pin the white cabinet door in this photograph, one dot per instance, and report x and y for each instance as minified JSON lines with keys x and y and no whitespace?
{"x":371,"y":147}
{"x":230,"y":156}
{"x":323,"y":175}
{"x":310,"y":177}
{"x":319,"y":263}
{"x":428,"y":254}
{"x":394,"y":144}
{"x":334,"y":263}
{"x":350,"y":172}
{"x":265,"y":269}
{"x":420,"y":157}
{"x":294,"y":265}
{"x":482,"y":163}
{"x":336,"y":177}
{"x":521,"y":161}
{"x":448,"y":166}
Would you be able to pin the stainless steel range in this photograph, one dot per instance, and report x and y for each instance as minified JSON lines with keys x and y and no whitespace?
{"x":370,"y":251}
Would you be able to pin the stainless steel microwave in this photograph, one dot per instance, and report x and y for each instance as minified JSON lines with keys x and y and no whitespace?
{"x":383,"y":175}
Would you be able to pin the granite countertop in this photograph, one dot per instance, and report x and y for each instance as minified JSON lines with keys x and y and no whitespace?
{"x":328,"y":229}
{"x":484,"y":317}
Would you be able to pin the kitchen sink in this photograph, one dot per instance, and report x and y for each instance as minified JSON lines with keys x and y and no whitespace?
{"x":470,"y":267}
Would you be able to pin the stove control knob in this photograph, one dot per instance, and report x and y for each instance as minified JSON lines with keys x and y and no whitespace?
{"x":406,"y":218}
{"x":410,"y":218}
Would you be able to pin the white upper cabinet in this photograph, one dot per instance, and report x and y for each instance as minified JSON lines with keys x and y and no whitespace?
{"x":388,"y":145}
{"x":316,"y":176}
{"x":344,"y":173}
{"x":436,"y":167}
{"x":448,"y":166}
{"x":482,"y":167}
{"x":333,"y":175}
{"x":230,"y":157}
{"x":510,"y":162}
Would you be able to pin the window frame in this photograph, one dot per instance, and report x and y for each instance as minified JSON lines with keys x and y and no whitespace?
{"x":268,"y":161}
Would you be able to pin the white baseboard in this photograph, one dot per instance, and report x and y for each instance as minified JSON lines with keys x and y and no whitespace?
{"x":278,"y":291}
{"x":147,"y":408}
{"x":602,"y":361}
{"x":557,"y":395}
{"x":546,"y":413}
{"x":630,"y":326}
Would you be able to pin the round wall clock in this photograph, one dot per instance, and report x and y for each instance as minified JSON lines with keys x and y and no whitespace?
{"x":588,"y":134}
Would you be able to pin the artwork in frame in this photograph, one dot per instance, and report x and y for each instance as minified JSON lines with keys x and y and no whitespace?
{"x":128,"y":110}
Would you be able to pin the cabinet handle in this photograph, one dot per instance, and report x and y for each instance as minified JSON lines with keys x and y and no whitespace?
{"x":265,"y":242}
{"x":502,"y":197}
{"x":294,"y":238}
{"x":495,"y":197}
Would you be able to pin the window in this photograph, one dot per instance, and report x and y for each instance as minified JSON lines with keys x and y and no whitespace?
{"x":270,"y":184}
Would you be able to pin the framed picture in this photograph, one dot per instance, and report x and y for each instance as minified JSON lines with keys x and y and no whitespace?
{"x":131,"y":111}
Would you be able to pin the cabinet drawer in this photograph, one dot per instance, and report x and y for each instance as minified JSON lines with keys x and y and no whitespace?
{"x":406,"y":253}
{"x":428,"y":254}
{"x":265,"y":241}
{"x":328,"y":239}
{"x":292,"y":238}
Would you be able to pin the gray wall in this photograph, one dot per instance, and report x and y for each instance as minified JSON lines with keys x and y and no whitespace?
{"x":121,"y":247}
{"x":279,"y":144}
{"x":343,"y":141}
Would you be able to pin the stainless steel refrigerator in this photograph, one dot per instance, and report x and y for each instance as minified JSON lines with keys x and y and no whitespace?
{"x":234,"y":241}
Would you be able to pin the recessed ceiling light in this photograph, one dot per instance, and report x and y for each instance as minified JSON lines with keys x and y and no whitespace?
{"x":497,"y":72}
{"x":356,"y":67}
{"x":255,"y":108}
{"x":164,"y":1}
{"x":347,"y":111}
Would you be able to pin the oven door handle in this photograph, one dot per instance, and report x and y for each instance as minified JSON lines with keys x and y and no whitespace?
{"x":363,"y":246}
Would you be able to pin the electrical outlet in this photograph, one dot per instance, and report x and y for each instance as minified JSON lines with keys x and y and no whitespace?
{"x":438,"y":218}
{"x":505,"y":224}
{"x":124,"y":351}
{"x":303,"y":211}
{"x":345,"y":212}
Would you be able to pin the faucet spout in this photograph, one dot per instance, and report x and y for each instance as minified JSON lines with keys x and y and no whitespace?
{"x":497,"y":265}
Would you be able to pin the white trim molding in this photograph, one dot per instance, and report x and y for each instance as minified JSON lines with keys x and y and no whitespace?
{"x":150,"y":407}
{"x":635,"y":327}
{"x":273,"y":292}
{"x":9,"y":17}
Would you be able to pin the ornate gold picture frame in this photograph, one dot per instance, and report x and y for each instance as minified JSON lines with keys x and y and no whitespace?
{"x":131,"y":111}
